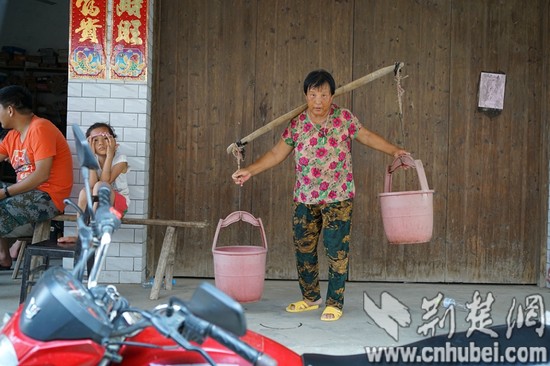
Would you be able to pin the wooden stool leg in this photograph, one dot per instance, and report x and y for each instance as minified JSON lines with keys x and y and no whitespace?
{"x":41,"y":231}
{"x":163,"y":258}
{"x":19,"y":260}
{"x":25,"y":278}
{"x":169,"y":274}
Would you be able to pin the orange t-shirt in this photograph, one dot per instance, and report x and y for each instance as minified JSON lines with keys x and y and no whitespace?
{"x":43,"y":140}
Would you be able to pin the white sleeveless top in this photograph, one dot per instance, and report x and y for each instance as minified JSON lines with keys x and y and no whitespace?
{"x":120,"y":184}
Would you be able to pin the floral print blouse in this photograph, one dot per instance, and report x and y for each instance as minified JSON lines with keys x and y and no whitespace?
{"x":322,"y":155}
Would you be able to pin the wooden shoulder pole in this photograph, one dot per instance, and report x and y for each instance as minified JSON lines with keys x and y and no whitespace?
{"x":293,"y":113}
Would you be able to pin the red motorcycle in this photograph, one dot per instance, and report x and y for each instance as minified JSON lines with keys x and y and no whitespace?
{"x":65,"y":322}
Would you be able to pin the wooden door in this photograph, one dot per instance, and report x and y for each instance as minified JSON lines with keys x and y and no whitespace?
{"x":224,"y":69}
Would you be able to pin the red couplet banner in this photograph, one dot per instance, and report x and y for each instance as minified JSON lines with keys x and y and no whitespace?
{"x":128,"y":54}
{"x":88,"y":27}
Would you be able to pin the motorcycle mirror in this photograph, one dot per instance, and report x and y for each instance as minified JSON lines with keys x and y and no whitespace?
{"x":216,"y":307}
{"x":85,"y":155}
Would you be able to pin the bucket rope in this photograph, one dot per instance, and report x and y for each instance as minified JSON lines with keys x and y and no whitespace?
{"x":238,"y":153}
{"x":400,"y":92}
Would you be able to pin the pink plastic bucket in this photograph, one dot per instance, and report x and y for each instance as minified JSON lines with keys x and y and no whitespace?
{"x":407,"y":216}
{"x":239,"y":271}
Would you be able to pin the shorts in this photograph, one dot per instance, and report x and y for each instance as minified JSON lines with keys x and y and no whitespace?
{"x":120,"y":203}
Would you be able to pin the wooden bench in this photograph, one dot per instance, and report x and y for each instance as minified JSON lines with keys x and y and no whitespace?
{"x":165,"y":265}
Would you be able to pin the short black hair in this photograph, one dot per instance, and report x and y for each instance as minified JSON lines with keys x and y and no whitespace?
{"x":99,"y":125}
{"x":317,"y":78}
{"x":18,"y":97}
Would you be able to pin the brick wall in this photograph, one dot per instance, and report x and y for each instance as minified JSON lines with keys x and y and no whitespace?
{"x":127,"y":107}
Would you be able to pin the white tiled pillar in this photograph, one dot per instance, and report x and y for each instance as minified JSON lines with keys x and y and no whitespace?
{"x":127,"y":107}
{"x":548,"y":245}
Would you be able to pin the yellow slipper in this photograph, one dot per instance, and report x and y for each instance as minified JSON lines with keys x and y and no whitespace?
{"x":331,"y":310}
{"x":299,"y":306}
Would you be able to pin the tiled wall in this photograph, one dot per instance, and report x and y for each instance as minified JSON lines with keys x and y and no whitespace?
{"x":127,"y":107}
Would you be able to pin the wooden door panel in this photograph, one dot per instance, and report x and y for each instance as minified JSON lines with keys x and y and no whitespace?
{"x":223,"y":69}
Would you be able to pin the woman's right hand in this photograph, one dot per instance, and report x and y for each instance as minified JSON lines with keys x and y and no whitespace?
{"x":241,"y":176}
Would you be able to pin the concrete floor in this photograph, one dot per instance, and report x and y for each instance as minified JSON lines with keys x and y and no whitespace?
{"x":305,"y":333}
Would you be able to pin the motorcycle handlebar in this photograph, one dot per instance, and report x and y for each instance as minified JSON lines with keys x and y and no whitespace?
{"x":104,"y":195}
{"x":196,"y":328}
{"x":106,"y":236}
{"x":241,"y":348}
{"x":106,"y":217}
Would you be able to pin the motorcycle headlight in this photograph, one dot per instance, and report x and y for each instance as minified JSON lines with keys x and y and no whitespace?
{"x":7,"y":352}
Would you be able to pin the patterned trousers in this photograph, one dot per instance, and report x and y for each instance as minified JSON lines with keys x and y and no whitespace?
{"x":333,"y":220}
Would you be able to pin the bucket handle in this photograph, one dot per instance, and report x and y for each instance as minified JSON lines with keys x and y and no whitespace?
{"x":406,"y":161}
{"x":238,"y":216}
